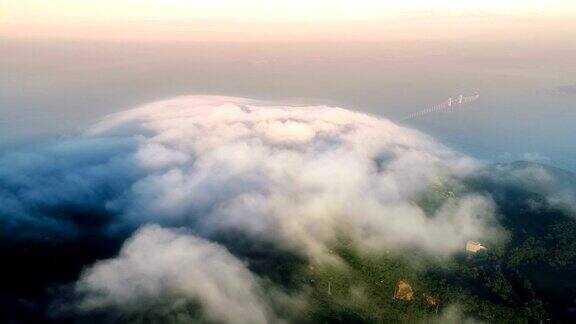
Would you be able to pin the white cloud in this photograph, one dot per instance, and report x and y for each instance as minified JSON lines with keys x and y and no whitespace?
{"x":294,"y":175}
{"x":163,"y":268}
{"x":453,"y":314}
{"x":556,"y":185}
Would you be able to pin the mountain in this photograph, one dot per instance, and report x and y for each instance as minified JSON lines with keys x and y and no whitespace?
{"x":528,"y":277}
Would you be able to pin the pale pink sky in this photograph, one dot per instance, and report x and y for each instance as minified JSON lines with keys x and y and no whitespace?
{"x":240,"y":20}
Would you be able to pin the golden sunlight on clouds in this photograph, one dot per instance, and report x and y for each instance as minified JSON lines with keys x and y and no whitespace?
{"x":258,"y":19}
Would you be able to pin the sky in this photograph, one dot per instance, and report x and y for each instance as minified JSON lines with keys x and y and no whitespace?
{"x":226,"y":19}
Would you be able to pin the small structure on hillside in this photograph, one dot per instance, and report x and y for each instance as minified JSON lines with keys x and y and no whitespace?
{"x":431,"y":301}
{"x":474,"y":247}
{"x":404,"y":291}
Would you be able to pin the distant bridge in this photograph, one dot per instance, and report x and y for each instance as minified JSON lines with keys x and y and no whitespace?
{"x":448,"y":105}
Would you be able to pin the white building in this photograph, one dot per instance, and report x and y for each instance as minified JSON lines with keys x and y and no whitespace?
{"x":473,"y":247}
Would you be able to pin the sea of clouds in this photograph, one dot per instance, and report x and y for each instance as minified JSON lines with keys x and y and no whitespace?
{"x":175,"y":175}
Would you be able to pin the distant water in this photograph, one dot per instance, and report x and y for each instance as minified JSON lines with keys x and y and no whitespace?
{"x":52,"y":88}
